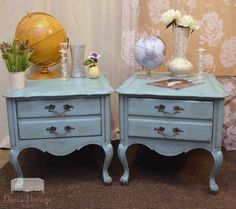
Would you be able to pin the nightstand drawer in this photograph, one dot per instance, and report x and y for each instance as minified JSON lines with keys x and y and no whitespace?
{"x":59,"y":127}
{"x":170,"y":108}
{"x":181,"y":130}
{"x":58,"y":108}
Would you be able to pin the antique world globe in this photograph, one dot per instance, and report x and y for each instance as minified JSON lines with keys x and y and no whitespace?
{"x":150,"y":53}
{"x":44,"y":34}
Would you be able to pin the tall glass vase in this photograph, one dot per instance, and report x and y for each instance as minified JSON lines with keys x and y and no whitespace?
{"x":77,"y":56}
{"x":179,"y":66}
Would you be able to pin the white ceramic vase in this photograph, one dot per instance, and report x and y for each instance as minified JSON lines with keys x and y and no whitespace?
{"x":179,"y":66}
{"x":93,"y":72}
{"x":17,"y":80}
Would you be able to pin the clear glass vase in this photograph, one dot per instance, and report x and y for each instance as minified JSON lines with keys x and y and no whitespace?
{"x":179,"y":66}
{"x":77,"y":56}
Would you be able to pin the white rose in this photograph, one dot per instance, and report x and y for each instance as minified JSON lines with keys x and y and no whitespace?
{"x":170,"y":15}
{"x":177,"y":14}
{"x":189,"y":22}
{"x":194,"y":25}
{"x":185,"y":21}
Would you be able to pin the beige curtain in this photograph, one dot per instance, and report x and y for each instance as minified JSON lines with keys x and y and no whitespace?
{"x":10,"y":13}
{"x":97,"y":24}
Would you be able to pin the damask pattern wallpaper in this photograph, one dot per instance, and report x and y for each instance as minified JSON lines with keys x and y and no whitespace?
{"x":229,"y":84}
{"x":216,"y":34}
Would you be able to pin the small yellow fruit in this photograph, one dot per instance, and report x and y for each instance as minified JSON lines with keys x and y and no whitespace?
{"x":93,"y":72}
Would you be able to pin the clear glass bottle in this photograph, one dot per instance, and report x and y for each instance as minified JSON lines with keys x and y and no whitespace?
{"x":64,"y":61}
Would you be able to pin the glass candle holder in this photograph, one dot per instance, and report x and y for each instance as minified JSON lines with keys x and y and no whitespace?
{"x":64,"y":60}
{"x":201,"y":62}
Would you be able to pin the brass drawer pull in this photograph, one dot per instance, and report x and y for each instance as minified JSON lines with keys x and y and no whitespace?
{"x":161,"y":130}
{"x":68,"y":128}
{"x":178,"y":109}
{"x":52,"y":130}
{"x":161,"y":108}
{"x":51,"y":108}
{"x":68,"y":107}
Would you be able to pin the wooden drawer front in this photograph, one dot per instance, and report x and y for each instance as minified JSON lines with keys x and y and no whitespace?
{"x":55,"y":108}
{"x":170,"y":108}
{"x":196,"y":131}
{"x":40,"y":128}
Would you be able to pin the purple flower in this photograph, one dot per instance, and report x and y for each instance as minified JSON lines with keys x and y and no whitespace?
{"x":94,"y":55}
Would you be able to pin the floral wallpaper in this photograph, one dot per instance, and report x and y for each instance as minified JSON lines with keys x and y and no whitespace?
{"x":216,"y":33}
{"x":230,"y":112}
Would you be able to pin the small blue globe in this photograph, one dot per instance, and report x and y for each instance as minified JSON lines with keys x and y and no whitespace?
{"x":150,"y":52}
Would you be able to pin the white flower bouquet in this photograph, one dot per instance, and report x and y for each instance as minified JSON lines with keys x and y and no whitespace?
{"x":176,"y":19}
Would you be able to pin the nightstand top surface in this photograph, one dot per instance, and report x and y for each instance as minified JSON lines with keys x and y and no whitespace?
{"x":58,"y":87}
{"x":210,"y":88}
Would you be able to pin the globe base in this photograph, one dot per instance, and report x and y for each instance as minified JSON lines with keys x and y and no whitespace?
{"x":44,"y":74}
{"x":148,"y":75}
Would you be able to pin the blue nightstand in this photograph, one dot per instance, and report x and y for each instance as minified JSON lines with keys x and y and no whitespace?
{"x":171,"y":121}
{"x":59,"y":117}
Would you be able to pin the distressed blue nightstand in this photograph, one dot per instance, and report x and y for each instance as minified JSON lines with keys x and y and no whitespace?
{"x":171,"y":121}
{"x":59,"y":117}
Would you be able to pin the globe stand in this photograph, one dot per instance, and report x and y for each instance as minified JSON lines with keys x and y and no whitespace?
{"x":44,"y":74}
{"x":148,"y":74}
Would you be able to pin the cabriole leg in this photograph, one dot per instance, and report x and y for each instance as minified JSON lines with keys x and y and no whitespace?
{"x":108,"y":149}
{"x":14,"y":161}
{"x":218,"y":159}
{"x":122,"y":156}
